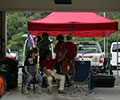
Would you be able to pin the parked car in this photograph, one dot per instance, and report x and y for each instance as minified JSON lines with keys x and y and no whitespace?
{"x":113,"y":52}
{"x":13,"y":54}
{"x":90,"y":51}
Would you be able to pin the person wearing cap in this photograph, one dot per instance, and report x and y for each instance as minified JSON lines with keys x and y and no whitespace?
{"x":70,"y":55}
{"x":58,"y":49}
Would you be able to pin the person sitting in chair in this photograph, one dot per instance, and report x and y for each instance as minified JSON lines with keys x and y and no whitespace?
{"x":31,"y":72}
{"x":48,"y":67}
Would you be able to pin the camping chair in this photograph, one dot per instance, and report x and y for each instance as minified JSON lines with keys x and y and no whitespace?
{"x":81,"y":77}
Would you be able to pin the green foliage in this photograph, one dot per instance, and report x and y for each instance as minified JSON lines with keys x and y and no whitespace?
{"x":17,"y":26}
{"x":16,"y":43}
{"x":17,"y":21}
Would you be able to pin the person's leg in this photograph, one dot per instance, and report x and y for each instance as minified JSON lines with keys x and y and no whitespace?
{"x":58,"y":67}
{"x":62,"y":82}
{"x":27,"y":82}
{"x":39,"y":79}
{"x":40,"y":83}
{"x":64,"y":66}
{"x":71,"y":66}
{"x":49,"y":79}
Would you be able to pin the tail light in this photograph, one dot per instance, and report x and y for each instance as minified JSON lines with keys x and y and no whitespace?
{"x":101,"y":58}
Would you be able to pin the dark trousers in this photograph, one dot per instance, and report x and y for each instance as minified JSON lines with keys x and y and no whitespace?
{"x":58,"y":67}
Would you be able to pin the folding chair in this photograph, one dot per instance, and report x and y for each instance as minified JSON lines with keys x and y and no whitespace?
{"x":81,"y":77}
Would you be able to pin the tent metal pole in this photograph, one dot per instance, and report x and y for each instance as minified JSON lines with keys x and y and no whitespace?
{"x":106,"y":51}
{"x":104,"y":39}
{"x":104,"y":14}
{"x":117,"y":57}
{"x":104,"y":47}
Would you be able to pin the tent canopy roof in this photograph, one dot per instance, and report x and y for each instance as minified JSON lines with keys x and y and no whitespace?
{"x":81,"y":24}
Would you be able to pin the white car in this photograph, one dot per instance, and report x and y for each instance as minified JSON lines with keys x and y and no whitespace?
{"x":13,"y":54}
{"x":90,"y":51}
{"x":113,"y":52}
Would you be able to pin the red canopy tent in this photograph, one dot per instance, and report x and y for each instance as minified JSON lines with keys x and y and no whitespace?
{"x":81,"y":24}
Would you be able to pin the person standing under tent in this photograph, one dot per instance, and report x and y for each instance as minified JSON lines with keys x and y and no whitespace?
{"x":43,"y":46}
{"x":38,"y":40}
{"x":70,"y":55}
{"x":58,"y":49}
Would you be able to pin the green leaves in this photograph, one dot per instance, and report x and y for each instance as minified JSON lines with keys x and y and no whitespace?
{"x":17,"y":42}
{"x":17,"y":26}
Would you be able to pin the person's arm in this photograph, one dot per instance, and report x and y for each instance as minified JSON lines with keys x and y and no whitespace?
{"x":55,"y":48}
{"x":28,"y":72}
{"x":64,"y":54}
{"x":47,"y":73}
{"x":49,"y":42}
{"x":74,"y":55}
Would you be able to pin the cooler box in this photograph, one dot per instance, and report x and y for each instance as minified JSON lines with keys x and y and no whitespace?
{"x":104,"y":80}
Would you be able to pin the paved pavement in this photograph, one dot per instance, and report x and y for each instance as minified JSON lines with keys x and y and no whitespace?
{"x":97,"y":94}
{"x":17,"y":95}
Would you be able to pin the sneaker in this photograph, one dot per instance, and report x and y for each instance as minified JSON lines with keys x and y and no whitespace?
{"x":26,"y":91}
{"x":39,"y":90}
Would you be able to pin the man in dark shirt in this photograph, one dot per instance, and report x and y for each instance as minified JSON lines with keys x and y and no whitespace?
{"x":43,"y":46}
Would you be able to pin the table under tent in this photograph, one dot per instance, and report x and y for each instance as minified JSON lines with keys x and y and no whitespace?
{"x":80,"y":24}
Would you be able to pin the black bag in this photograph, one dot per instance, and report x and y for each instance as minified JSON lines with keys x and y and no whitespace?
{"x":104,"y":80}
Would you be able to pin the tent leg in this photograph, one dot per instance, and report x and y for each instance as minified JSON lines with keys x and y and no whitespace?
{"x":105,"y":49}
{"x":117,"y":58}
{"x":105,"y":53}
